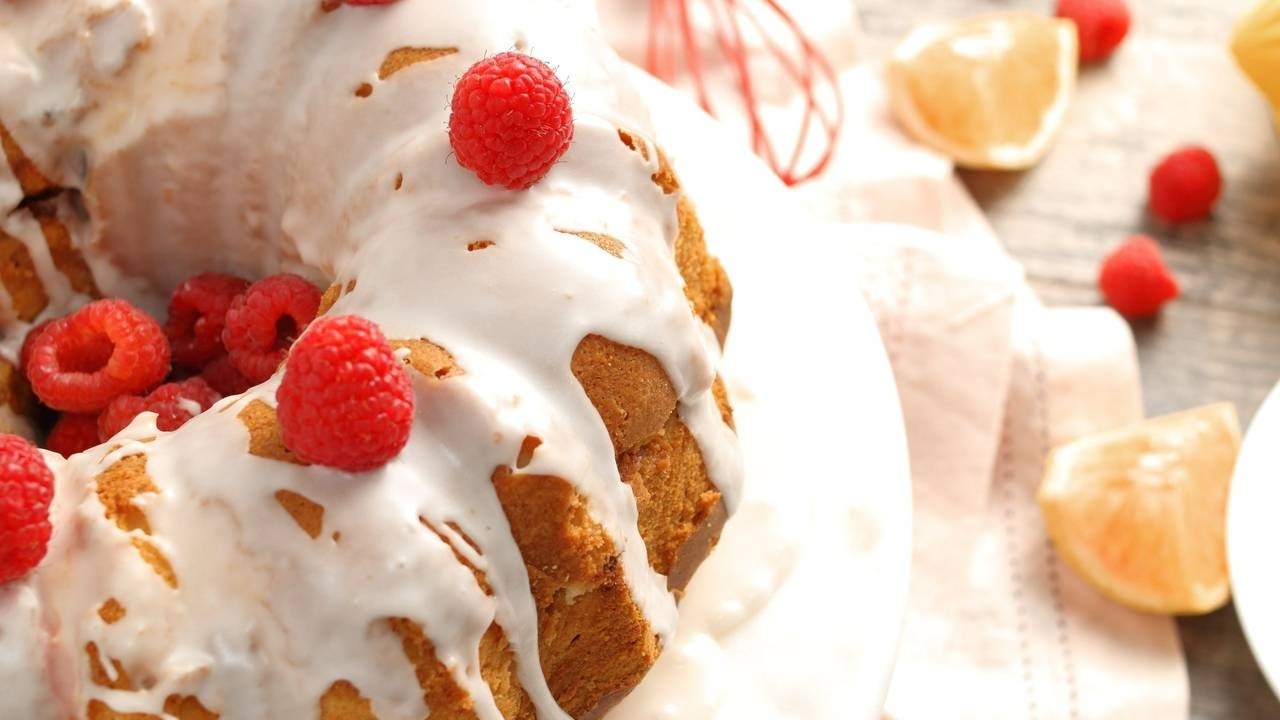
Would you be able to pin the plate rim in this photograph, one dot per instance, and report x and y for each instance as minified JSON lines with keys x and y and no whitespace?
{"x":1247,"y":531}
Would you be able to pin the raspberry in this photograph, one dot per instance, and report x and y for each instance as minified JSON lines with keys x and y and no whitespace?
{"x":72,"y":433}
{"x":26,"y":490}
{"x":264,"y":321}
{"x":119,"y":414}
{"x":345,"y":400}
{"x":511,"y":120}
{"x":197,"y":313}
{"x":30,"y":340}
{"x":1135,"y":280}
{"x":1100,"y":24}
{"x":103,"y":350}
{"x":224,"y":377}
{"x":174,"y":403}
{"x":1185,"y":185}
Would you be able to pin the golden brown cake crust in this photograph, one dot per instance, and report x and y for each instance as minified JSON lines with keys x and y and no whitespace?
{"x":185,"y":707}
{"x":66,"y":256}
{"x":440,"y":692}
{"x":98,"y":674}
{"x":41,"y":198}
{"x":18,"y":274}
{"x":265,"y":438}
{"x":681,"y":512}
{"x":676,"y":500}
{"x":14,"y":389}
{"x":343,"y":701}
{"x":119,"y":485}
{"x":404,"y":57}
{"x":308,"y":514}
{"x":627,"y":386}
{"x":705,"y":282}
{"x":30,"y":179}
{"x":328,"y":298}
{"x":428,"y":358}
{"x":592,"y":638}
{"x":607,"y":243}
{"x":498,"y":668}
{"x":112,"y":611}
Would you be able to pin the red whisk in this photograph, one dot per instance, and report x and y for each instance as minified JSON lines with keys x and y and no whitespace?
{"x":672,"y":46}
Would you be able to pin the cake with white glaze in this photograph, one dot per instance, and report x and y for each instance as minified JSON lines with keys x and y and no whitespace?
{"x":572,"y":458}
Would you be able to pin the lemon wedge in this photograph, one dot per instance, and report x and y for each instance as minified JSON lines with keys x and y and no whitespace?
{"x":1139,"y":512}
{"x":1256,"y":45}
{"x":990,"y":91}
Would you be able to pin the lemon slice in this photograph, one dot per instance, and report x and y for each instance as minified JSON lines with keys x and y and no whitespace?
{"x":991,"y":91}
{"x":1256,"y":46}
{"x":1139,"y":512}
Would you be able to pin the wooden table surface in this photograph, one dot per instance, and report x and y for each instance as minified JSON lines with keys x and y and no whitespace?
{"x":1173,"y":82}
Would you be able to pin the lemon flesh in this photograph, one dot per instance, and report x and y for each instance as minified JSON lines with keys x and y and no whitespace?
{"x":1256,"y":46}
{"x":1140,"y":512}
{"x":991,"y":91}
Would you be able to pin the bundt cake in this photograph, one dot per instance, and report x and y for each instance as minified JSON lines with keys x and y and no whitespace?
{"x":571,"y":459}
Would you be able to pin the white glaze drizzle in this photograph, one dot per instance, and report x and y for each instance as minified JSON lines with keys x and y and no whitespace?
{"x":214,"y":135}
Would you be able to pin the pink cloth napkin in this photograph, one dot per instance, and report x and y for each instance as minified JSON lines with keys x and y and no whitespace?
{"x":990,"y":379}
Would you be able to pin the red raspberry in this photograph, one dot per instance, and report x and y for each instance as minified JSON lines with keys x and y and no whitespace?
{"x":30,"y":340}
{"x":224,"y":377}
{"x":197,"y":313}
{"x":345,"y":400}
{"x":264,"y":321}
{"x":511,"y":120}
{"x":1100,"y":24}
{"x":175,"y":403}
{"x":1185,"y":185}
{"x":1135,"y":280}
{"x":103,"y":350}
{"x":26,"y":490}
{"x":73,"y":433}
{"x":119,"y":414}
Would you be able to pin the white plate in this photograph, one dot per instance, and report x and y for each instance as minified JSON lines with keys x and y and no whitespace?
{"x":797,"y":613}
{"x":1253,"y":537}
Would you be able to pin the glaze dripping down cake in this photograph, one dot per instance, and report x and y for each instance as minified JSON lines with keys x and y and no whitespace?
{"x":572,"y":457}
